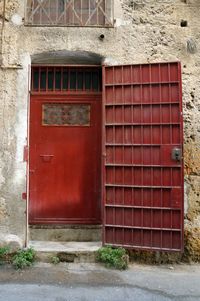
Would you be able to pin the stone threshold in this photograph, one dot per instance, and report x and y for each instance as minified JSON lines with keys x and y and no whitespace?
{"x":77,"y":252}
{"x":72,"y":246}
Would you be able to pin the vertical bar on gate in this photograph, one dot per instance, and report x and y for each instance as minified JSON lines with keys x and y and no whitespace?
{"x":92,"y":80}
{"x":76,"y":79}
{"x":161,"y":143}
{"x":170,"y":128}
{"x":142,"y":157}
{"x":84,"y":79}
{"x":132,"y":157}
{"x":114,"y":139}
{"x":39,"y":79}
{"x":170,"y":99}
{"x":61,"y":84}
{"x":151,"y":143}
{"x":123,"y":159}
{"x":68,"y":78}
{"x":47,"y":73}
{"x":54,"y":79}
{"x":98,"y":82}
{"x":171,"y":234}
{"x":112,"y":102}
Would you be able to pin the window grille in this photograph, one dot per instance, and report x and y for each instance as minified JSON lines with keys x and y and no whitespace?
{"x":66,"y":79}
{"x":97,"y":13}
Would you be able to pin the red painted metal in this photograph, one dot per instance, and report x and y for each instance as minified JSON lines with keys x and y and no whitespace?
{"x":65,"y":159}
{"x":24,"y":196}
{"x":65,"y":79}
{"x":143,"y":185}
{"x":25,"y":157}
{"x":65,"y":164}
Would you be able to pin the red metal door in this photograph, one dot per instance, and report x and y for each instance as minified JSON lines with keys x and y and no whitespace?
{"x":65,"y":159}
{"x":143,"y":172}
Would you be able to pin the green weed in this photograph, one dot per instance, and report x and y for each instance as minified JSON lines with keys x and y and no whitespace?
{"x":113,"y":257}
{"x":55,"y":259}
{"x":24,"y":258}
{"x":3,"y":254}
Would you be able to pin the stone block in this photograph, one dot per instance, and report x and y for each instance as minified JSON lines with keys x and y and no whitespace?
{"x":12,"y":241}
{"x":192,"y":243}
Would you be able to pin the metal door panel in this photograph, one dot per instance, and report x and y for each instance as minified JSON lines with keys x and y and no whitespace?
{"x":143,"y":176}
{"x":65,"y":160}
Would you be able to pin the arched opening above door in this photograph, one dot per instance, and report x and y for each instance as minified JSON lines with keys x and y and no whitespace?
{"x":66,"y":57}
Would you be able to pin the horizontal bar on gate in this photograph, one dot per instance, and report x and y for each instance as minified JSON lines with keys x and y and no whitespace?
{"x":140,"y":103}
{"x":142,"y":228}
{"x":133,"y":144}
{"x":141,"y":83}
{"x":141,"y":186}
{"x":141,"y":207}
{"x":141,"y":165}
{"x":136,"y":247}
{"x":142,"y":124}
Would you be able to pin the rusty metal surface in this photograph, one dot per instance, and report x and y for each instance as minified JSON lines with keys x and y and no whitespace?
{"x":143,"y":191}
{"x":70,"y":13}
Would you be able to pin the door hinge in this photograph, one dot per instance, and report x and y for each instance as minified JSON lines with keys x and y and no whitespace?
{"x":25,"y":158}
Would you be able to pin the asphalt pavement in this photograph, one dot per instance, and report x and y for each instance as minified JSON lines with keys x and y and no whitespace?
{"x":93,"y":282}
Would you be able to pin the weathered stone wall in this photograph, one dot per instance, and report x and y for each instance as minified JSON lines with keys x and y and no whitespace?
{"x":145,"y":31}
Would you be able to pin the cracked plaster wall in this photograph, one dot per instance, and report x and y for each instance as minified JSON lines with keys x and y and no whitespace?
{"x":145,"y":31}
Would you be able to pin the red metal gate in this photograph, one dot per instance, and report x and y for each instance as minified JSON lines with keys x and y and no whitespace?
{"x":143,"y":172}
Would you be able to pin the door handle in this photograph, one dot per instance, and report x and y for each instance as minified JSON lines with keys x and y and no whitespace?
{"x":176,"y":154}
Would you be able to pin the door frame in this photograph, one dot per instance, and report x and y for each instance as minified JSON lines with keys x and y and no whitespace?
{"x":103,"y":142}
{"x":77,"y":94}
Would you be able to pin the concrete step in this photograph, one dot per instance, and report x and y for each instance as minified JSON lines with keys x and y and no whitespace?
{"x":78,"y":233}
{"x":77,"y":252}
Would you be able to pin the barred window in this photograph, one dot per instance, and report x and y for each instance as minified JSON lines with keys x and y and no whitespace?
{"x":97,"y":13}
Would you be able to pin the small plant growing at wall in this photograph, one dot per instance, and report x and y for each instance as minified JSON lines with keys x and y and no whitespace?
{"x":3,"y":254}
{"x":113,"y":257}
{"x":24,"y":258}
{"x":55,"y":259}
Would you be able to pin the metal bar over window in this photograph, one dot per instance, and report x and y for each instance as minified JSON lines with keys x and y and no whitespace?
{"x":65,"y":79}
{"x":96,"y":13}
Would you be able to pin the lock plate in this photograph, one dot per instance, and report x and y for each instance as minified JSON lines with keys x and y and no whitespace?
{"x":176,"y":154}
